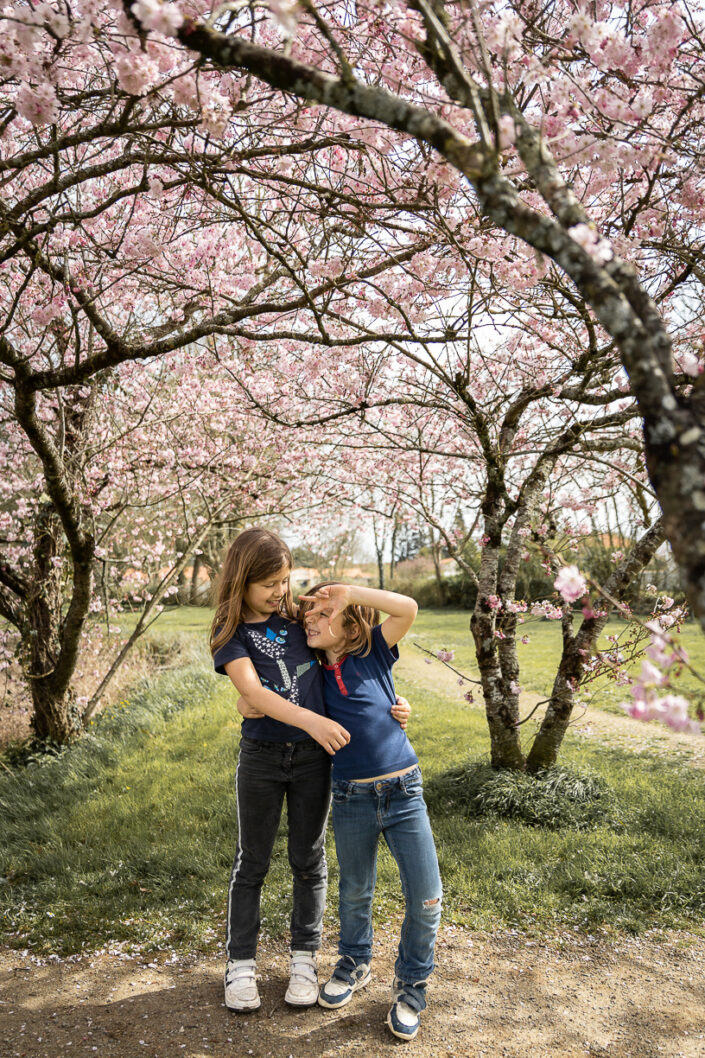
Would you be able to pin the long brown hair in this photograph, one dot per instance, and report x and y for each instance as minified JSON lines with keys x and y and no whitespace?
{"x":254,"y":555}
{"x":365,"y":617}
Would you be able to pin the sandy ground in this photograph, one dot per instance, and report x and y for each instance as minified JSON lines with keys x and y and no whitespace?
{"x":501,"y":995}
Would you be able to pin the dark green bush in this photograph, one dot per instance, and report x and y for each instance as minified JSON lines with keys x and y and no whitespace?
{"x":554,"y":798}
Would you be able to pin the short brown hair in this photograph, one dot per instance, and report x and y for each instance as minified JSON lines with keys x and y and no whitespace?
{"x":253,"y":555}
{"x":365,"y":617}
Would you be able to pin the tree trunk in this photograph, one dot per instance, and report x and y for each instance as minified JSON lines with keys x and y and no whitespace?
{"x":393,"y":553}
{"x":440,"y":584}
{"x":41,"y":647}
{"x":500,"y":705}
{"x":380,"y":569}
{"x":544,"y":752}
{"x":55,"y":717}
{"x":379,"y":552}
{"x":193,"y":591}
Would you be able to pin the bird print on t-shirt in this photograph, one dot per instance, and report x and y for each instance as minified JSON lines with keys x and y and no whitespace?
{"x":273,"y":645}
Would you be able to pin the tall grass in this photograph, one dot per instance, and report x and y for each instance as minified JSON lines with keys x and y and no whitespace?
{"x":127,"y":838}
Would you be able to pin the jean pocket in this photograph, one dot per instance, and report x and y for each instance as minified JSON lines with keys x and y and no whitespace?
{"x":341,"y":793}
{"x":412,"y":784}
{"x":251,"y":746}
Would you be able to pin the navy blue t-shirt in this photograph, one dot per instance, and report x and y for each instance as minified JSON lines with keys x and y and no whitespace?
{"x":284,"y":663}
{"x":359,"y":693}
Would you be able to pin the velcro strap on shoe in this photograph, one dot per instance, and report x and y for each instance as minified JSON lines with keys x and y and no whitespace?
{"x":241,"y":973}
{"x":341,"y":973}
{"x":303,"y":969}
{"x":413,"y":997}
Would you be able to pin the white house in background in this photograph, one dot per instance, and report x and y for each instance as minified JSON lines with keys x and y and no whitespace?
{"x":304,"y":577}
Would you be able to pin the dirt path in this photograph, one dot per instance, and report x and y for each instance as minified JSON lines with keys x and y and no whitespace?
{"x":502,"y":995}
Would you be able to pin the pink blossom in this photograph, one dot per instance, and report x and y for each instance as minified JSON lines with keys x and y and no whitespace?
{"x":494,"y":602}
{"x":445,"y":655}
{"x":570,"y":583}
{"x":214,"y":119}
{"x":598,"y":248}
{"x":690,"y":364}
{"x":39,"y":104}
{"x":136,"y":73}
{"x":671,"y":710}
{"x":285,"y":14}
{"x":650,"y":674}
{"x":469,"y":697}
{"x":659,"y":646}
{"x":507,"y":132}
{"x":164,"y":18}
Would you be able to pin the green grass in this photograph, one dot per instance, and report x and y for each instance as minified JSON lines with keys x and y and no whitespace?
{"x":127,"y":838}
{"x":538,"y":659}
{"x":450,"y":629}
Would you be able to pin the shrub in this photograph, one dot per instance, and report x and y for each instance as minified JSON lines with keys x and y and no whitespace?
{"x":554,"y":798}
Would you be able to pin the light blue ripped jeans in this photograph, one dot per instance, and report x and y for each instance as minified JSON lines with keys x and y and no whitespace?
{"x":394,"y":808}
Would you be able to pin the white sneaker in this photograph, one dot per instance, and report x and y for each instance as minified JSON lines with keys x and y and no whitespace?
{"x":240,"y":985}
{"x":303,"y":982}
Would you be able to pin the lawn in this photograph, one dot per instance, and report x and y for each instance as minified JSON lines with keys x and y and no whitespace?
{"x":450,"y":629}
{"x":126,"y":840}
{"x":538,"y":659}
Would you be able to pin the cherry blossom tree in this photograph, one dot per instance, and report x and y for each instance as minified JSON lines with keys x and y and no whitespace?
{"x":148,"y":461}
{"x":152,"y":213}
{"x":579,"y":132}
{"x":526,"y":463}
{"x":465,"y":163}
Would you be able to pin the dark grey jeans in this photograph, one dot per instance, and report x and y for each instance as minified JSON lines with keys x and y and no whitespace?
{"x":267,"y":774}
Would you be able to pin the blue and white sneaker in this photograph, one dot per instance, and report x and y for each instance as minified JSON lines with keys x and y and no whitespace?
{"x":407,"y":1003}
{"x":347,"y":977}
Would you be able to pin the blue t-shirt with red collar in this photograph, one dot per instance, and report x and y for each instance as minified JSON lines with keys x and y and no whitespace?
{"x":359,"y":693}
{"x":284,"y":663}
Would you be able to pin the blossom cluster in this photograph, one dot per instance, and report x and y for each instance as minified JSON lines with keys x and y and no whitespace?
{"x":662,"y":656}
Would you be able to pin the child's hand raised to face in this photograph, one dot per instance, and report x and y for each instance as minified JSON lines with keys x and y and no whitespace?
{"x":331,"y":600}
